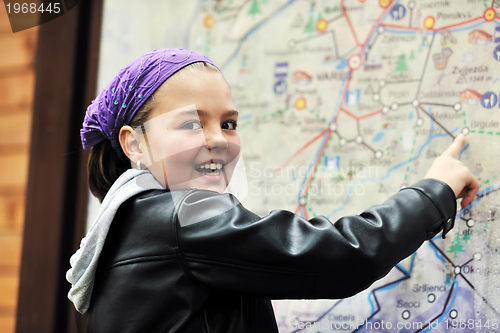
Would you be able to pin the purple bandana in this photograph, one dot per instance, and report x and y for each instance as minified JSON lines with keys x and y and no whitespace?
{"x":117,"y":104}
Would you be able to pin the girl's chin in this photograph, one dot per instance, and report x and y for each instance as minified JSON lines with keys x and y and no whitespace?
{"x":213,"y":182}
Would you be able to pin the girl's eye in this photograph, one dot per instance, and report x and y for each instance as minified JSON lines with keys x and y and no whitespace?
{"x":192,"y":125}
{"x":229,"y":125}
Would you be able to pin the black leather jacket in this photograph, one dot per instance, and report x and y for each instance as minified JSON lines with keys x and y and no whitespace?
{"x":157,"y":274}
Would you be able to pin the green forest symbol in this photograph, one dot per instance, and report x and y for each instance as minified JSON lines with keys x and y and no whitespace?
{"x":466,"y":237}
{"x":412,"y":55}
{"x":402,"y":66}
{"x":310,"y":28}
{"x":456,"y":245}
{"x":254,"y":8}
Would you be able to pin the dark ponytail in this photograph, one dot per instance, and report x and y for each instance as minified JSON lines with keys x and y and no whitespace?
{"x":104,"y":168}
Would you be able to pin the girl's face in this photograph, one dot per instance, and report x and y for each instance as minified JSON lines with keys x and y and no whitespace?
{"x":190,"y":138}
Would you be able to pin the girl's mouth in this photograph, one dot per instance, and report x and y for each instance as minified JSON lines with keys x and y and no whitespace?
{"x":209,"y":168}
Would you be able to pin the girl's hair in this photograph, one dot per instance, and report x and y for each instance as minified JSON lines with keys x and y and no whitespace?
{"x":105,"y":166}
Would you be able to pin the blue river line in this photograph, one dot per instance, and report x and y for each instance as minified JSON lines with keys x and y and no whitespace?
{"x":392,"y":285}
{"x":254,"y":29}
{"x":246,"y":116}
{"x":411,"y":265}
{"x":436,"y":252}
{"x":341,"y":92}
{"x":431,"y":32}
{"x":455,"y":291}
{"x":480,"y":194}
{"x":344,"y":205}
{"x":187,"y":33}
{"x":312,"y":165}
{"x":374,"y":33}
{"x":448,"y":308}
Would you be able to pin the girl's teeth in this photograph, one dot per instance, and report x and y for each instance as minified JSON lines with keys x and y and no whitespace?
{"x":212,"y":166}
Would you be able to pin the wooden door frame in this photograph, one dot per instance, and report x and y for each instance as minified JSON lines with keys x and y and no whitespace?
{"x":56,"y":198}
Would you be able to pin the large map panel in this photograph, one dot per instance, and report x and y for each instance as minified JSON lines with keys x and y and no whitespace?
{"x":344,"y":102}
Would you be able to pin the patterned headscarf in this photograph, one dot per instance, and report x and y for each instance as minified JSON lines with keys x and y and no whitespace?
{"x":117,"y":104}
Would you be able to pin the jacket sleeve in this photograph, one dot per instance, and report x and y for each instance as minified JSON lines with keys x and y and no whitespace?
{"x":283,"y":256}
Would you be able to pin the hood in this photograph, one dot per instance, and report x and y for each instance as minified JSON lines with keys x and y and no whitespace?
{"x":84,"y":261}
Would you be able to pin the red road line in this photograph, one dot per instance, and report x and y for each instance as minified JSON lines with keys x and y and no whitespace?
{"x":402,"y":27}
{"x":305,"y":212}
{"x":320,"y":155}
{"x":297,"y":210}
{"x":344,"y":93}
{"x":349,"y":22}
{"x":370,"y":114}
{"x":459,"y":24}
{"x":374,"y":26}
{"x":348,"y":113}
{"x":302,"y":149}
{"x":362,"y":117}
{"x":433,"y":29}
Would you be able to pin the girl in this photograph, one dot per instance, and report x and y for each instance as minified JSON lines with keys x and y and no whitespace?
{"x":170,"y":252}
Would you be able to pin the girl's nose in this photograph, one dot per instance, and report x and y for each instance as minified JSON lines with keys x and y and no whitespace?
{"x":215,"y":138}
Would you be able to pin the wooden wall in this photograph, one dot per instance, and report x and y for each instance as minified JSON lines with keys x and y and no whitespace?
{"x":17,"y":53}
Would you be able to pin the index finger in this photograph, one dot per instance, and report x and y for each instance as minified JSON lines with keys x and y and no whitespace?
{"x":454,"y":149}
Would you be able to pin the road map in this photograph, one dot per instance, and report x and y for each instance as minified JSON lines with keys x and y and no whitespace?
{"x":344,"y":102}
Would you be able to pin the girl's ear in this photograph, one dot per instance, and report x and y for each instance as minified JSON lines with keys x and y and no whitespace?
{"x":129,"y":141}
